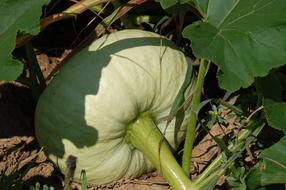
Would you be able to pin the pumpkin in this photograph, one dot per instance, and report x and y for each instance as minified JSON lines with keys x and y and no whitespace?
{"x":107,"y":107}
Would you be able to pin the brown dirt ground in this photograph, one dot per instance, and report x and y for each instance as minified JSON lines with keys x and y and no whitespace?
{"x":19,"y":149}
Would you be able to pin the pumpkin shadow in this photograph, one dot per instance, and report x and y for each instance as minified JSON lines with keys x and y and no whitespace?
{"x":16,"y":110}
{"x":63,"y":104}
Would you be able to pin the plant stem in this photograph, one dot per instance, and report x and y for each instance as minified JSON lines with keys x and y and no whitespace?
{"x":37,"y":79}
{"x":190,"y":135}
{"x":144,"y":135}
{"x":180,"y":26}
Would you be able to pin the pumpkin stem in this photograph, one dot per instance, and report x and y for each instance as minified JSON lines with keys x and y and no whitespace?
{"x":145,"y":136}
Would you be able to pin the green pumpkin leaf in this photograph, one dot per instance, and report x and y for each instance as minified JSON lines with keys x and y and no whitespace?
{"x":16,"y":16}
{"x":275,"y":114}
{"x":273,"y":168}
{"x":275,"y":163}
{"x":167,"y":3}
{"x":245,"y":38}
{"x":173,"y":5}
{"x":271,"y":88}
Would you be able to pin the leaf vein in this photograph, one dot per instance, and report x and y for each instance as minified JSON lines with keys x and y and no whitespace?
{"x":251,"y":12}
{"x":227,"y":14}
{"x":275,"y":162}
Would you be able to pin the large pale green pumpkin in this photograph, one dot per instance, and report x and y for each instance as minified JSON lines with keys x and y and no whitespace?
{"x":86,"y":109}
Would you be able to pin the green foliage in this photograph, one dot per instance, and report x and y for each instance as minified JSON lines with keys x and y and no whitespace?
{"x":84,"y":180}
{"x":275,"y":163}
{"x":166,"y":4}
{"x":244,"y":38}
{"x":237,"y":179}
{"x":271,"y":90}
{"x":273,"y":168}
{"x":17,"y":16}
{"x":275,"y":114}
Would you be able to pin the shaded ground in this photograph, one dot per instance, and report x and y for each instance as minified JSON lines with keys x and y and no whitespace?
{"x":18,"y":146}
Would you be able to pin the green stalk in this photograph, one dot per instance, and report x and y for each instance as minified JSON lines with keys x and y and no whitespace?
{"x":190,"y":135}
{"x":145,"y":136}
{"x":37,"y":79}
{"x":181,"y":16}
{"x":229,"y":106}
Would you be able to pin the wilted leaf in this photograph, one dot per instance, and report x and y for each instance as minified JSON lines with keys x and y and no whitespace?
{"x":16,"y":16}
{"x":245,"y":38}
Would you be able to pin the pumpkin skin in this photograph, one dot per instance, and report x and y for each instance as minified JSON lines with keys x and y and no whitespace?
{"x":85,"y":110}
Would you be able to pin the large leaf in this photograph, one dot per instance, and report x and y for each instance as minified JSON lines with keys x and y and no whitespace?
{"x":167,"y":3}
{"x":275,"y":114}
{"x":273,"y":169}
{"x":275,"y":163}
{"x":16,"y":16}
{"x":245,"y":38}
{"x":172,"y":6}
{"x":270,"y":89}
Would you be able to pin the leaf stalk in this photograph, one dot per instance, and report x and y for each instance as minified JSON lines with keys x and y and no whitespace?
{"x":38,"y":83}
{"x":191,"y":128}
